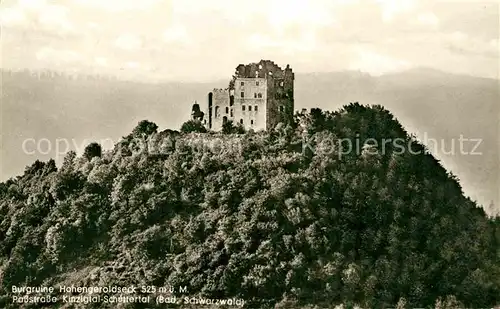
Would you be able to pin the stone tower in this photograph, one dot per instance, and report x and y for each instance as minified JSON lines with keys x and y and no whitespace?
{"x":259,"y":96}
{"x":196,"y":113}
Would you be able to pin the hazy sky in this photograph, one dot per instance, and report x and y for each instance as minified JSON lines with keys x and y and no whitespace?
{"x":202,"y":40}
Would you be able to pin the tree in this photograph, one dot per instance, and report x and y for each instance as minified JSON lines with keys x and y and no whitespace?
{"x":228,"y":127}
{"x":145,"y":127}
{"x":193,"y":126}
{"x":92,"y":150}
{"x":69,"y":160}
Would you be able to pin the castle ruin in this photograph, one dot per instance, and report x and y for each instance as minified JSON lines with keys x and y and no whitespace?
{"x":259,"y":96}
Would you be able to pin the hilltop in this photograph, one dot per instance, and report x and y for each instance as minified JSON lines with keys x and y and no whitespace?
{"x":441,"y":105}
{"x":280,"y":219}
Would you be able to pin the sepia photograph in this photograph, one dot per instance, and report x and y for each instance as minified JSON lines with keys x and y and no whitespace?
{"x":274,"y":154}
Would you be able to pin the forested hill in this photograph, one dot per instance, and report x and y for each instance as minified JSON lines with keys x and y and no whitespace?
{"x":283,"y":219}
{"x":434,"y":105}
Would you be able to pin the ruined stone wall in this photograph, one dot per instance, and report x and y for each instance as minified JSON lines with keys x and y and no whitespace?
{"x":250,"y":109}
{"x":272,"y":104}
{"x":268,"y":97}
{"x":220,"y":108}
{"x":280,"y":98}
{"x":260,"y":69}
{"x":288,"y":100}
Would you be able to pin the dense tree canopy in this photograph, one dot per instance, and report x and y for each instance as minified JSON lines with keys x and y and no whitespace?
{"x":92,"y":150}
{"x":285,"y":219}
{"x":191,"y":126}
{"x":229,"y":127}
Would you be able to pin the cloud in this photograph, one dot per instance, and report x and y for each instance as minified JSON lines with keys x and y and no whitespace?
{"x":392,"y":8}
{"x":38,"y":16}
{"x":292,"y":12}
{"x":176,"y":33}
{"x":58,"y":56}
{"x":303,"y":43}
{"x":462,"y":43}
{"x":458,"y":37}
{"x":93,"y":25}
{"x":278,"y":14}
{"x":32,"y":4}
{"x":128,"y":42}
{"x":494,"y":44}
{"x":119,"y":5}
{"x":427,"y":19}
{"x":55,"y":18}
{"x":101,"y":61}
{"x":133,"y":65}
{"x":164,"y":34}
{"x":12,"y":17}
{"x":375,"y":63}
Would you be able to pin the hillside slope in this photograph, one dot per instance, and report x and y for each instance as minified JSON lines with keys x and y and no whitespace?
{"x":434,"y":106}
{"x":286,"y":218}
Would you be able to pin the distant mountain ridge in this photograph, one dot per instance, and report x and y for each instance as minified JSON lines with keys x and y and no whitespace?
{"x":441,"y":105}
